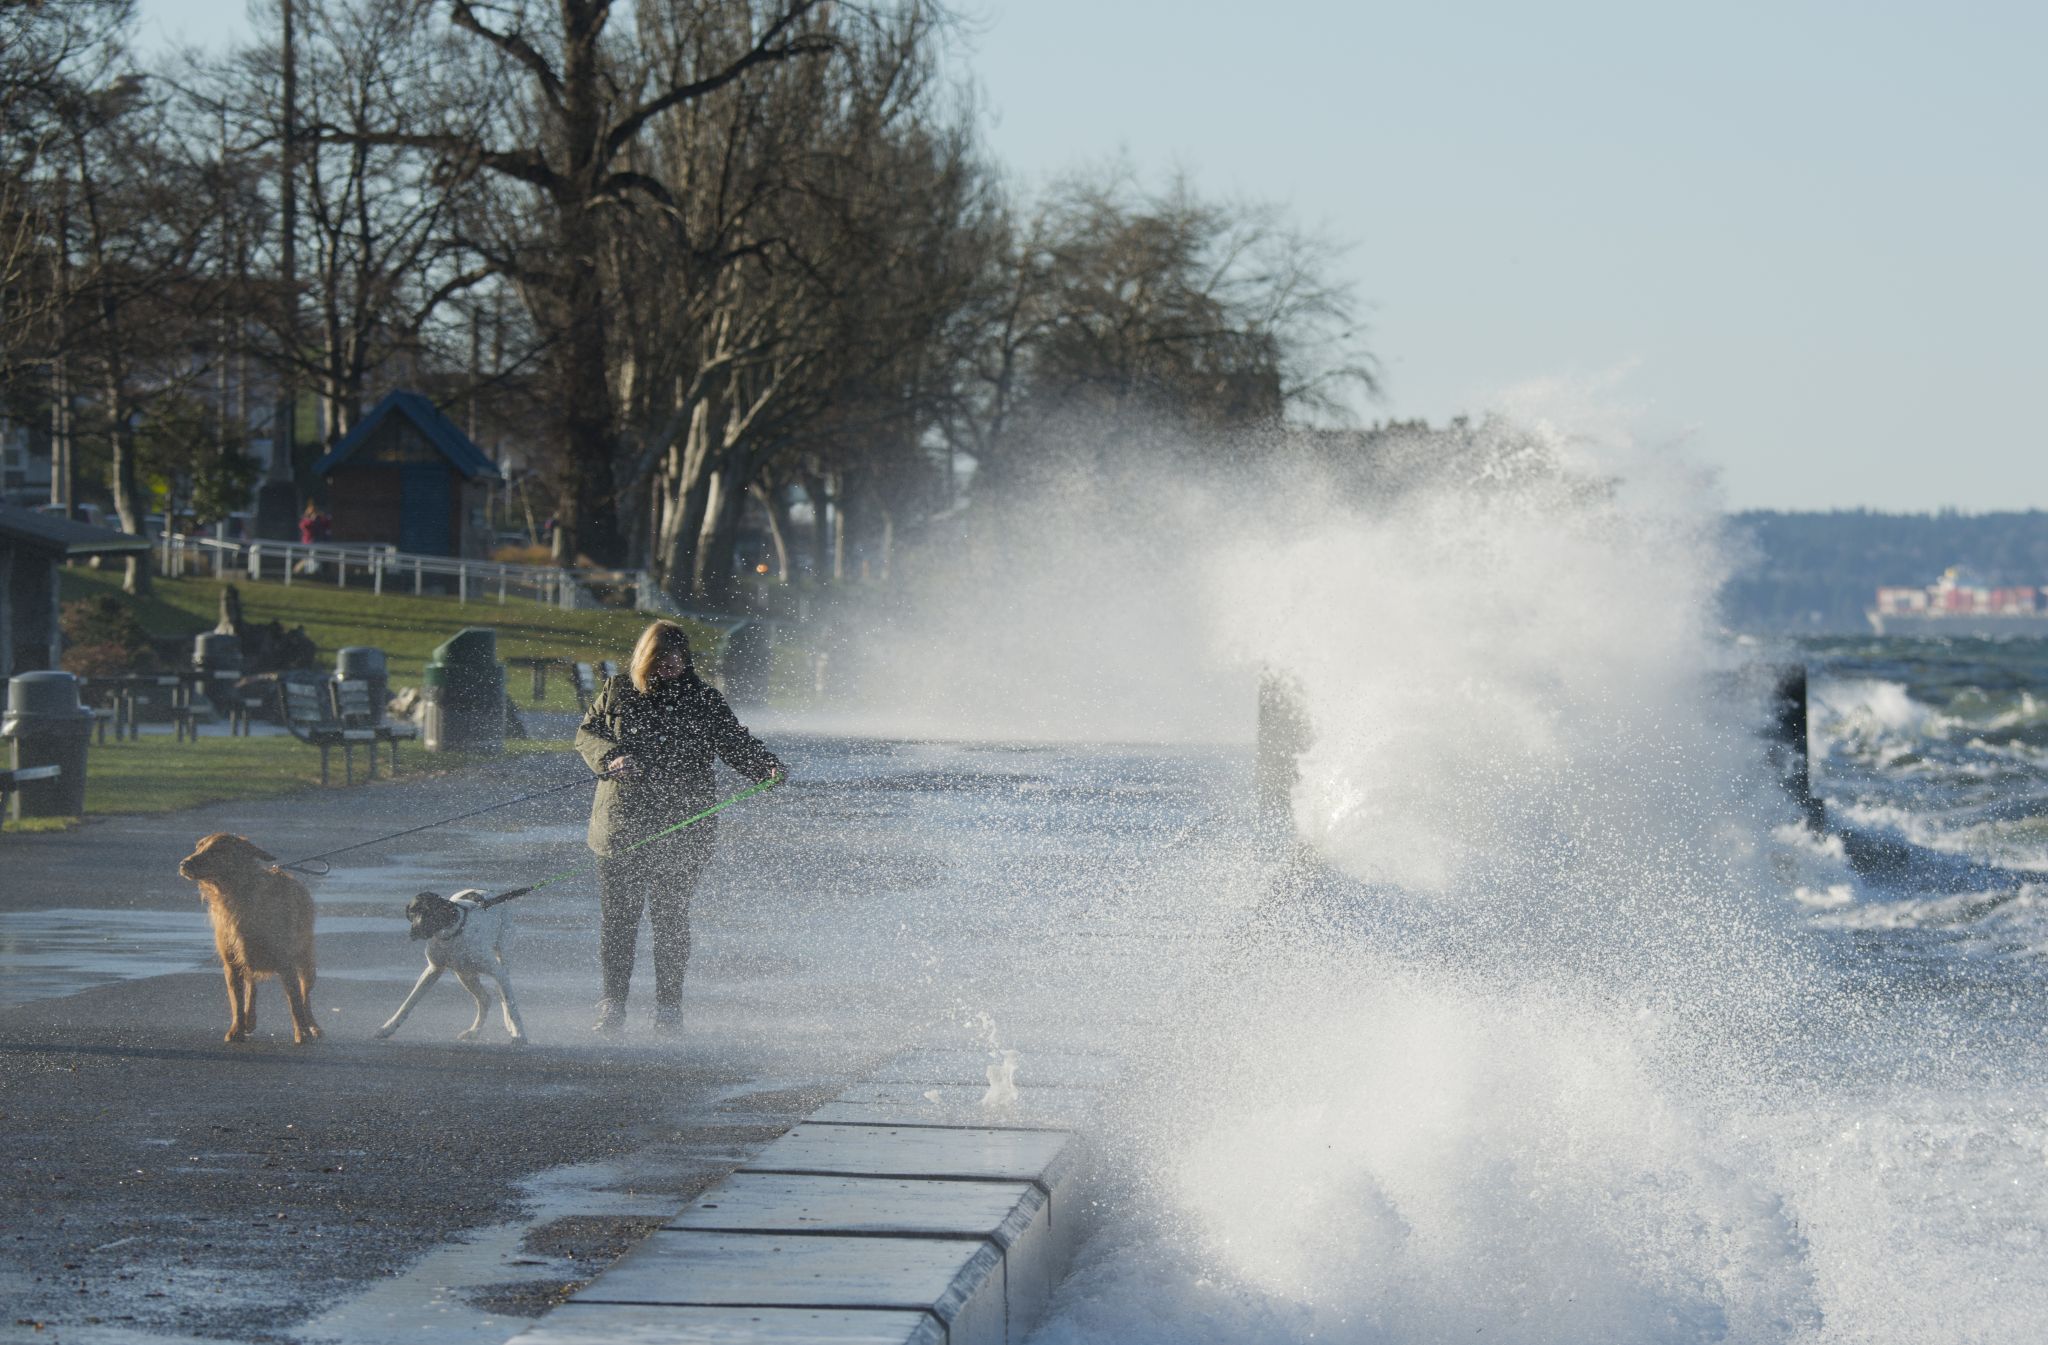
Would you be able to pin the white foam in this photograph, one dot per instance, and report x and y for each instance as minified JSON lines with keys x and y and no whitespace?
{"x":1556,"y":1072}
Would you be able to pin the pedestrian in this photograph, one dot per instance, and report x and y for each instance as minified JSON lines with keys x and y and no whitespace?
{"x":651,"y":734}
{"x":311,"y":533}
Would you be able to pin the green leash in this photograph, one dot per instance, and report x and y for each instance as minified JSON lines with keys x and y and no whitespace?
{"x":718,"y":807}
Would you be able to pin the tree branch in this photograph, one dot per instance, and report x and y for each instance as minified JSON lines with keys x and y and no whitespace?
{"x":764,"y":51}
{"x":513,"y":45}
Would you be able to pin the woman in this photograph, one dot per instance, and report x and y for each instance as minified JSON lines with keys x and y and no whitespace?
{"x":650,"y":735}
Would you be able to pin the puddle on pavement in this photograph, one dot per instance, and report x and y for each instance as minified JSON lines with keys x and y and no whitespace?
{"x":44,"y":954}
{"x":454,"y":1295}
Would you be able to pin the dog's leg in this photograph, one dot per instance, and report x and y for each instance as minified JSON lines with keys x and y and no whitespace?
{"x":419,"y":989}
{"x":474,"y":984}
{"x":512,"y":1024}
{"x":238,"y":1004}
{"x":304,"y":1029}
{"x":248,"y":1002}
{"x":306,"y":996}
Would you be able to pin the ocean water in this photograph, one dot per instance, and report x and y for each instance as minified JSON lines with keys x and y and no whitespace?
{"x":1558,"y":1026}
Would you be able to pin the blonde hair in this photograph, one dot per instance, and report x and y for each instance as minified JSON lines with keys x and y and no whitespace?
{"x":659,"y":639}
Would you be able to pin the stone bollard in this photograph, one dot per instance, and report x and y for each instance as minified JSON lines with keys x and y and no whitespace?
{"x":1789,"y":751}
{"x":1283,"y":737}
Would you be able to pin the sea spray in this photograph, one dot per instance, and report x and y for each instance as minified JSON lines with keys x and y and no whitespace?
{"x":1554,"y":1049}
{"x":1499,"y":1085}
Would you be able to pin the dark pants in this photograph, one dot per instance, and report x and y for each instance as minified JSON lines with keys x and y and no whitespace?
{"x":660,"y":879}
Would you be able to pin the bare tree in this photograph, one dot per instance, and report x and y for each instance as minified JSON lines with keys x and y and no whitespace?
{"x":51,"y":55}
{"x":584,"y":100}
{"x":811,"y":255}
{"x":134,"y":316}
{"x":1155,"y":318}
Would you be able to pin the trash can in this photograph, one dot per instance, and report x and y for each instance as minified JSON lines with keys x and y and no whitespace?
{"x":365,"y":663}
{"x":218,"y":659}
{"x":463,"y":689}
{"x":46,"y":726}
{"x":432,"y":710}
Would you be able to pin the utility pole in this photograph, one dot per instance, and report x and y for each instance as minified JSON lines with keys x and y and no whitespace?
{"x":63,"y":473}
{"x":225,"y":278}
{"x":277,"y":500}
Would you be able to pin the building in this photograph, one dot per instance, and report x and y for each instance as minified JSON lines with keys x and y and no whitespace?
{"x":34,"y":548}
{"x":406,"y":476}
{"x":24,"y":474}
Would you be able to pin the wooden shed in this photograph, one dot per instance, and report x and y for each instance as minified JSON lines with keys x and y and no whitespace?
{"x":406,"y":476}
{"x":34,"y":548}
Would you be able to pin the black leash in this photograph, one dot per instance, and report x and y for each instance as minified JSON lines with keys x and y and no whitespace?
{"x":325,"y":869}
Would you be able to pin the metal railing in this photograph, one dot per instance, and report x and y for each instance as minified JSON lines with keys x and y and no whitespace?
{"x":377,"y":565}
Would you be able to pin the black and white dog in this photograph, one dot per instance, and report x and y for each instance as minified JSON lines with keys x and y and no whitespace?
{"x":470,"y":939}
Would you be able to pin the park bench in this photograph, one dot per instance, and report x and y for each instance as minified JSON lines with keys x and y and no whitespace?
{"x":124,"y":697}
{"x":538,"y":666}
{"x":90,"y":695}
{"x":583,"y":677}
{"x":245,"y":706}
{"x":308,"y":718}
{"x":357,"y":709}
{"x":185,"y":697}
{"x":13,"y":779}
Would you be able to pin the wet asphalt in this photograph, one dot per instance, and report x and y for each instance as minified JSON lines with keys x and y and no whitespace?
{"x":156,"y":1181}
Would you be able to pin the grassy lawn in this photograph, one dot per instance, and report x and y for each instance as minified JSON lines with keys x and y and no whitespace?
{"x":405,"y":627}
{"x":157,"y":774}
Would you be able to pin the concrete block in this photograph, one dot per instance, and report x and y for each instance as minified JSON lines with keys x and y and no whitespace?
{"x":647,"y":1324}
{"x":960,"y":1105}
{"x":1034,"y":1263}
{"x":749,"y":1202}
{"x":1045,"y":1157}
{"x":959,"y":1281}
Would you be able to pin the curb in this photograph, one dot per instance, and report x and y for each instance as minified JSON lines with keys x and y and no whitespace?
{"x":902,"y":1213}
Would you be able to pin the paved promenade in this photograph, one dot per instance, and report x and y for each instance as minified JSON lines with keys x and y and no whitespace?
{"x":161,"y":1181}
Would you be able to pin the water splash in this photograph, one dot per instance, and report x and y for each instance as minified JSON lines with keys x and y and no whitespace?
{"x":1002,"y":1083}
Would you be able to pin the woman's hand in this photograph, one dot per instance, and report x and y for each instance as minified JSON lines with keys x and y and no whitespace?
{"x":622,"y":767}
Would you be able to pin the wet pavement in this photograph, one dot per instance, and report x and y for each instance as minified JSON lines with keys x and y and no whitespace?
{"x":164,"y":1182}
{"x":159,"y":1181}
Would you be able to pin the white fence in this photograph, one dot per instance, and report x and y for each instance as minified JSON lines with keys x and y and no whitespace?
{"x":379,"y":566}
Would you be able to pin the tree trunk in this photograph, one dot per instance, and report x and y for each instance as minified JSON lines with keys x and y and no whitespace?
{"x":716,"y":582}
{"x":839,"y":528}
{"x":127,"y":489}
{"x":589,"y":522}
{"x":821,"y":527}
{"x":687,"y":489}
{"x":775,"y":498}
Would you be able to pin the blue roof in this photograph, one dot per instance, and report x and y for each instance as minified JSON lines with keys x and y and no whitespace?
{"x":461,"y":452}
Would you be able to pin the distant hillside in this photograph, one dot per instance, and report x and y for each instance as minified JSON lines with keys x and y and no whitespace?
{"x":1818,"y":571}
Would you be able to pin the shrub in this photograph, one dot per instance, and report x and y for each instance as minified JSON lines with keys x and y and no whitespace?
{"x":100,"y":660}
{"x":102,"y":638}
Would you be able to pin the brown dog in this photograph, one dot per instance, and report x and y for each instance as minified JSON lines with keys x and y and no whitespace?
{"x":262,"y":925}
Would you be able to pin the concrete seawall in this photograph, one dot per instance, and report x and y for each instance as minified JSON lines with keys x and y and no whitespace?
{"x":902,"y":1211}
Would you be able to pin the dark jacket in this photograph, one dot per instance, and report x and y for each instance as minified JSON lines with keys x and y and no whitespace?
{"x":672,"y":732}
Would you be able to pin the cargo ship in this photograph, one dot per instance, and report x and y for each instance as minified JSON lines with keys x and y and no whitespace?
{"x":1960,"y":606}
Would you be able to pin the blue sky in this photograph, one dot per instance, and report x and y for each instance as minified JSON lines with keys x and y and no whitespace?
{"x":1801,"y":242}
